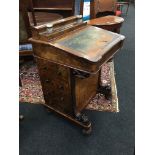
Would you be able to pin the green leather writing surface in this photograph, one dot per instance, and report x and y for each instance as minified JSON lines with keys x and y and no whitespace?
{"x":86,"y":40}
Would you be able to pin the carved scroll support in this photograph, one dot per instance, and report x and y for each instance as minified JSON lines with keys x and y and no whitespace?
{"x":79,"y":116}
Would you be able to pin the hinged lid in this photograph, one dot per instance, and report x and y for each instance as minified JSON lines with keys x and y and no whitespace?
{"x":89,"y":42}
{"x":71,"y":38}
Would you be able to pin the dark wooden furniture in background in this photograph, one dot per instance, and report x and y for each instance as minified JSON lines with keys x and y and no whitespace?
{"x":69,"y":55}
{"x":124,"y":3}
{"x":38,"y":12}
{"x":105,"y":7}
{"x":35,"y":17}
{"x":25,"y":47}
{"x":24,"y":26}
{"x":65,"y":8}
{"x":100,"y":8}
{"x":111,"y":23}
{"x":108,"y":22}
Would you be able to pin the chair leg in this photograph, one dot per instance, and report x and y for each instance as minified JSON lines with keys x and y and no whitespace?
{"x":127,"y":9}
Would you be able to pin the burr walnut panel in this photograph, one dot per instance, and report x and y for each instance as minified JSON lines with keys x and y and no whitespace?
{"x":55,"y":84}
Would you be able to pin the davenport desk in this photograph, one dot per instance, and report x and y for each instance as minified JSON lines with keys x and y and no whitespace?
{"x":69,"y":55}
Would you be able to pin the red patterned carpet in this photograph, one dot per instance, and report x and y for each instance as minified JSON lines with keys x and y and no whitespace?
{"x":31,"y":90}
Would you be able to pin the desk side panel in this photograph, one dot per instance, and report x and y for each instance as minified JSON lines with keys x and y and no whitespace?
{"x":55,"y":81}
{"x":85,"y":90}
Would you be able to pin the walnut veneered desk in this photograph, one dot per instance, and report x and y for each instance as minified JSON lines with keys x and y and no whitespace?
{"x":69,"y":55}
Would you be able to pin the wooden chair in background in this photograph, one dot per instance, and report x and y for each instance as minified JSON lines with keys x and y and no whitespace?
{"x":122,"y":3}
{"x":100,"y":8}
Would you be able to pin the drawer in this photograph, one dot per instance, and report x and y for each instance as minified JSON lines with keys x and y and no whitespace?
{"x":51,"y":70}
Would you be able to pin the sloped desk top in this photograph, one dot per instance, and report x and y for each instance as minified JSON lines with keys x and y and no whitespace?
{"x":86,"y":47}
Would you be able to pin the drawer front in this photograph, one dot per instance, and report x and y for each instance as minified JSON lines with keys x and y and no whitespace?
{"x":55,"y":71}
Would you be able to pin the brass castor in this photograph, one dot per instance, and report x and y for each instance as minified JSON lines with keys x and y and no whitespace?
{"x":87,"y":131}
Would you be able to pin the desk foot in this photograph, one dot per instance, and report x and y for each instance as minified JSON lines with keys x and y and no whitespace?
{"x":80,"y":119}
{"x":87,"y":131}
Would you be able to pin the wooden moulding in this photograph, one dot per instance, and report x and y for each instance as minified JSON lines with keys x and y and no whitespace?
{"x":25,"y":53}
{"x":55,"y":24}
